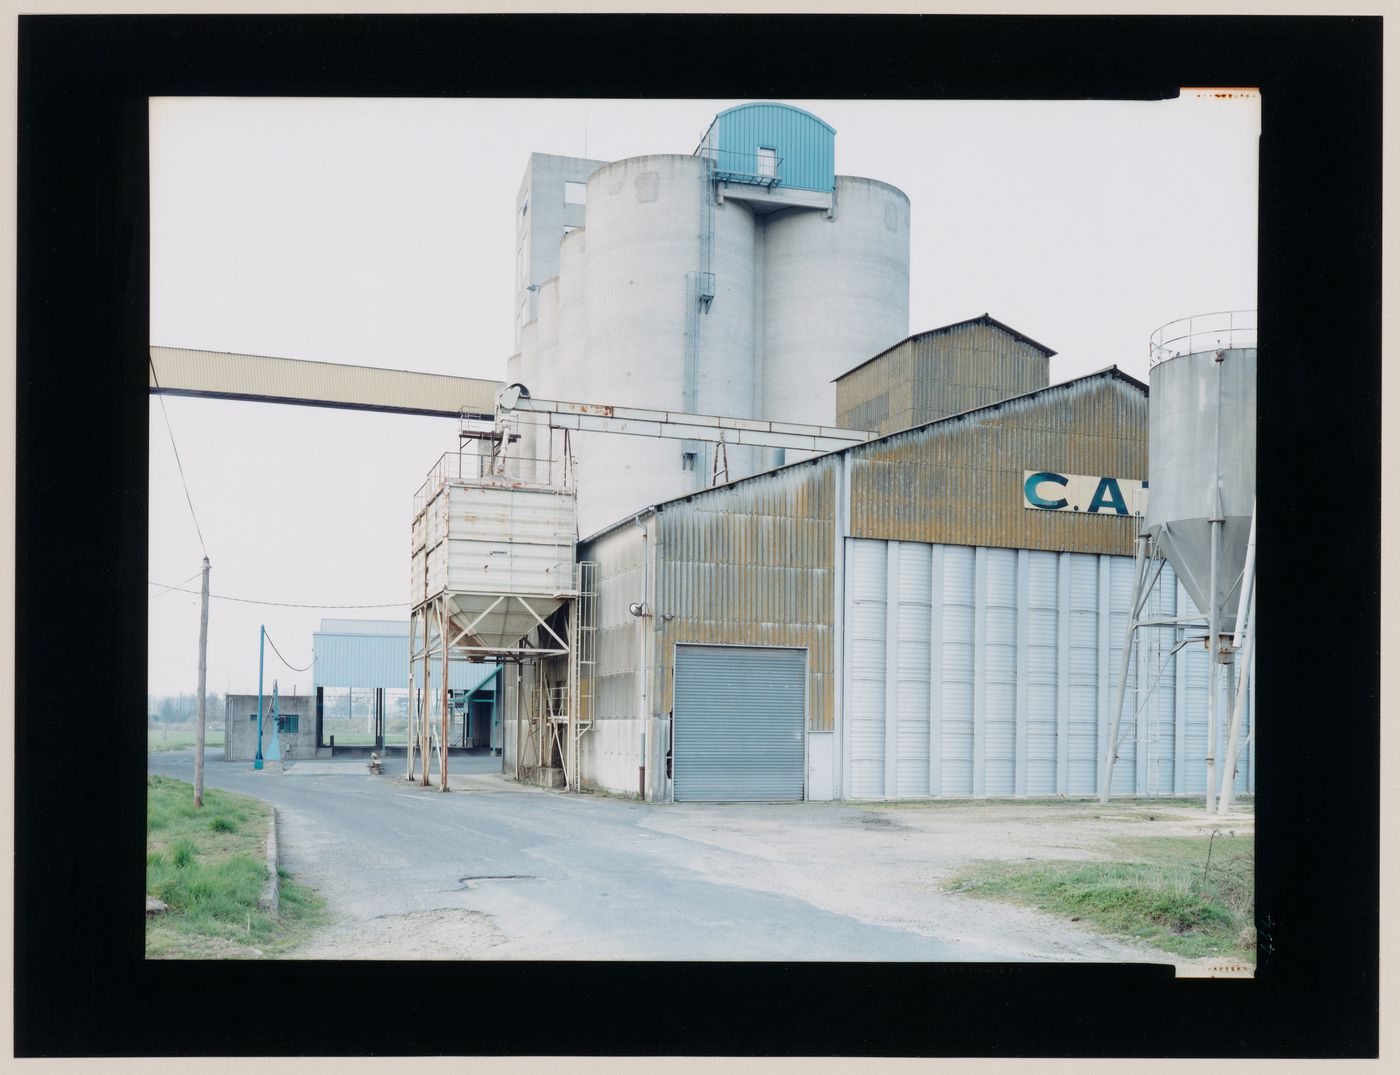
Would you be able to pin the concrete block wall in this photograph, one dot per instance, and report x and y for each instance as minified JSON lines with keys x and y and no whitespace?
{"x":241,"y":733}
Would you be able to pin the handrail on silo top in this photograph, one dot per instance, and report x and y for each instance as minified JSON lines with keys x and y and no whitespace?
{"x":735,"y":167}
{"x":1221,"y":330}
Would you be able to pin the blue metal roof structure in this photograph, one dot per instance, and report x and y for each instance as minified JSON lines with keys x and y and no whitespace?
{"x":771,"y":144}
{"x":374,"y":653}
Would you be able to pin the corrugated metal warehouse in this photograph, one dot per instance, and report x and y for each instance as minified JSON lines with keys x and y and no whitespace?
{"x":922,"y":615}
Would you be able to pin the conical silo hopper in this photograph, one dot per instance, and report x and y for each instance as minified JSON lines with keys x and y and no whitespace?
{"x":1201,"y":467}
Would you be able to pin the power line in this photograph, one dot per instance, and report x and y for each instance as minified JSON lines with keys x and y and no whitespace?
{"x":169,"y":429}
{"x":279,"y":604}
{"x":176,"y":586}
{"x":284,"y":660}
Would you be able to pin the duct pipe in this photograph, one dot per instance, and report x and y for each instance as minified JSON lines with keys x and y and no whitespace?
{"x":1213,"y":641}
{"x":1212,"y":677}
{"x":1247,"y":579}
{"x":519,"y":688}
{"x":640,"y":612}
{"x":1232,"y":749}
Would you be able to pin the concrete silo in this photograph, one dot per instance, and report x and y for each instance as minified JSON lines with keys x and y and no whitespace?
{"x":737,"y":281}
{"x":835,"y":291}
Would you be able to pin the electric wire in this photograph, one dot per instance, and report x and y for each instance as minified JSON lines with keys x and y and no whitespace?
{"x":169,"y":429}
{"x":284,"y":660}
{"x":281,"y":604}
{"x":176,"y":586}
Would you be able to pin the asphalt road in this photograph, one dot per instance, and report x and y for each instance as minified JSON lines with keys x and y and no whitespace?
{"x":497,"y":870}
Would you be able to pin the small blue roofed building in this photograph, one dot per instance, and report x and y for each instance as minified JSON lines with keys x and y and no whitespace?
{"x":371,"y":656}
{"x":772,"y":154}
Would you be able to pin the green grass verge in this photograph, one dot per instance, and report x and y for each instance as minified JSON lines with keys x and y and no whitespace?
{"x":180,"y":737}
{"x":1158,"y":890}
{"x":209,"y":865}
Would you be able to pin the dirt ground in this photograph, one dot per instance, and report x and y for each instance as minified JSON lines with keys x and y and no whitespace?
{"x":908,"y":851}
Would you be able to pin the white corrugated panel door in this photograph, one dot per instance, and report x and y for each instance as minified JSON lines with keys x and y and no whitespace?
{"x":1196,"y":662}
{"x":1083,"y":672}
{"x":1122,"y":572}
{"x":912,"y":648}
{"x":1042,"y":637}
{"x":1158,"y":718}
{"x":959,"y":621}
{"x":865,"y":700}
{"x":740,"y":724}
{"x":999,"y":752}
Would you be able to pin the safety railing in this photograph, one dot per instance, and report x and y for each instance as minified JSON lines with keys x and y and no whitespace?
{"x":1222,"y":330}
{"x":759,"y":169}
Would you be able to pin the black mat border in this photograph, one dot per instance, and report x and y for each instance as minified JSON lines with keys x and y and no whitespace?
{"x":81,"y":985}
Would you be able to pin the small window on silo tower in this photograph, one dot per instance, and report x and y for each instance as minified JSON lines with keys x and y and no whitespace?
{"x":574,"y":193}
{"x":767,"y":161}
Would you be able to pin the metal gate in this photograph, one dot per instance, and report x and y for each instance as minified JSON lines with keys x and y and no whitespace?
{"x":740,"y":722}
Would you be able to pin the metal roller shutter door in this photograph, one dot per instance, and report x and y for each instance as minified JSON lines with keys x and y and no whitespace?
{"x":740,"y":724}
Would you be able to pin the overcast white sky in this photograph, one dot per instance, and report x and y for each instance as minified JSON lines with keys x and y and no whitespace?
{"x":381,"y":232}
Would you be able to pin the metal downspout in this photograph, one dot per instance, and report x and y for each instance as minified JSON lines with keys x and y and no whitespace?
{"x":642,"y":664}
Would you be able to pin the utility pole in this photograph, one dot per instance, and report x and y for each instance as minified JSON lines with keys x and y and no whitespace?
{"x":203,"y":649}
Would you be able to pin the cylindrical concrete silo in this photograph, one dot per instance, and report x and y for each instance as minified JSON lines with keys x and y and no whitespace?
{"x":521,"y":369}
{"x":835,"y":292}
{"x":725,"y":330}
{"x":648,"y":222}
{"x":557,"y":380}
{"x":546,"y":361}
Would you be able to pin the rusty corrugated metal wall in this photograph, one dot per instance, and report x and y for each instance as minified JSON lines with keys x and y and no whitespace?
{"x":960,"y":482}
{"x":618,"y":554}
{"x":937,"y":374}
{"x":751,"y":565}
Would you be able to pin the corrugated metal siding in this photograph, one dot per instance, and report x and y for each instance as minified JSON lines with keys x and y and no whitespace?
{"x":805,"y":144}
{"x":507,"y":540}
{"x":619,"y":583}
{"x":937,"y":374}
{"x":960,"y":481}
{"x":1008,"y":662}
{"x":751,"y":565}
{"x":258,"y":377}
{"x":355,"y":657}
{"x":739,"y":724}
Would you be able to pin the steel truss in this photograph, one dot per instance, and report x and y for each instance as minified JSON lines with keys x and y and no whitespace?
{"x":555,"y":723}
{"x":1222,"y":651}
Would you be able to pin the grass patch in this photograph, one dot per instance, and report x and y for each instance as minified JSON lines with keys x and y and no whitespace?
{"x":163,"y":737}
{"x":209,"y":866}
{"x":1192,"y":896}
